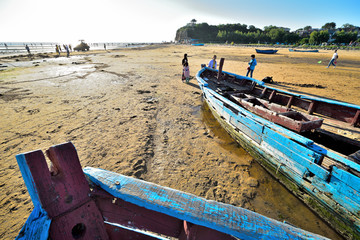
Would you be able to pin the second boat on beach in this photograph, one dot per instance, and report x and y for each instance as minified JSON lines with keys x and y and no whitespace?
{"x":267,"y":51}
{"x":296,"y":138}
{"x":298,"y":50}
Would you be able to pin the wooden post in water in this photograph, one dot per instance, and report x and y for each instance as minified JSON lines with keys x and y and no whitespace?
{"x":219,"y":77}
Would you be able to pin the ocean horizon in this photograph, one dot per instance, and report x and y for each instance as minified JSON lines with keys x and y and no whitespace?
{"x":45,"y":47}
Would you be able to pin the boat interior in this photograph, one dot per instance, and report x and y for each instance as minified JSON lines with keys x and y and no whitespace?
{"x":331,"y":126}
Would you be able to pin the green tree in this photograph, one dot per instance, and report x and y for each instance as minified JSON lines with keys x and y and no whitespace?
{"x":348,"y":27}
{"x":252,"y":28}
{"x":323,"y":36}
{"x":276,"y":35}
{"x":291,"y":38}
{"x":345,"y":37}
{"x":267,"y":29}
{"x":304,"y":41}
{"x":328,"y":26}
{"x":319,"y":37}
{"x":307,"y":28}
{"x":314,"y":37}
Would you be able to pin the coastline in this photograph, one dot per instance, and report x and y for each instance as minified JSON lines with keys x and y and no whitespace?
{"x":128,"y":111}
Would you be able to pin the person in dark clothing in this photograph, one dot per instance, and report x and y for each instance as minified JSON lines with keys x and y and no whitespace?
{"x":185,"y":63}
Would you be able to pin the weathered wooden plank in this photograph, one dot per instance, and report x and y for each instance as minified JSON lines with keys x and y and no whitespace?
{"x":280,"y":159}
{"x":335,"y":157}
{"x":346,"y":182}
{"x":295,"y":152}
{"x":337,"y":199}
{"x":238,"y":222}
{"x":249,"y":127}
{"x":118,"y":211}
{"x":245,"y":130}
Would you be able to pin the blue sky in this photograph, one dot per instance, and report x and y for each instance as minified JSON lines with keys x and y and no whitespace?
{"x":157,"y":20}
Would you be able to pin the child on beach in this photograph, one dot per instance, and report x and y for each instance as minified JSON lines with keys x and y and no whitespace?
{"x":186,"y":72}
{"x":183,"y":62}
{"x":333,"y":59}
{"x":213,"y":64}
{"x":252,"y":65}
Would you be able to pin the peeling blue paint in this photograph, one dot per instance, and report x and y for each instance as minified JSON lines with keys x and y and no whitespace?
{"x":225,"y":218}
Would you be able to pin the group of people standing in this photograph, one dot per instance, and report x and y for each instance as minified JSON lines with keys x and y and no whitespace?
{"x":250,"y":69}
{"x":213,"y":64}
{"x":66,"y":47}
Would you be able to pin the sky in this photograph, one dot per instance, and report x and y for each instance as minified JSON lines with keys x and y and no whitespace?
{"x":67,"y":21}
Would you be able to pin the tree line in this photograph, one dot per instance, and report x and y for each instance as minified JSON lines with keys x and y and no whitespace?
{"x":241,"y":33}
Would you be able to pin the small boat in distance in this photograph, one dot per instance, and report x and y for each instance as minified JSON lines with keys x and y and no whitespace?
{"x":298,"y":50}
{"x":266,"y":51}
{"x":310,"y":144}
{"x":197,"y":44}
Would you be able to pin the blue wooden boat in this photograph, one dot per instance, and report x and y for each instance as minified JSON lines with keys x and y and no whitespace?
{"x":120,"y":207}
{"x":266,"y":51}
{"x":299,"y":50}
{"x":319,"y":165}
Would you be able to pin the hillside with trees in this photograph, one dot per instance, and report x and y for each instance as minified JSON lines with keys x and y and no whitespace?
{"x":244,"y":34}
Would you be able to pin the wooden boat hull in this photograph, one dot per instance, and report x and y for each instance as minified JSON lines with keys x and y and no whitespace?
{"x":268,"y":51}
{"x":295,"y":161}
{"x":121,"y":207}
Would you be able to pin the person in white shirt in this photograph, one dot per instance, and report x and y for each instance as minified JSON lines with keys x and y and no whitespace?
{"x":213,"y":64}
{"x":333,"y":60}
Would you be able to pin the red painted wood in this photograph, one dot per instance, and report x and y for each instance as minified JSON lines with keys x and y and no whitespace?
{"x":291,"y":99}
{"x":356,"y":119}
{"x":64,"y":194}
{"x":341,"y":113}
{"x":131,"y":215}
{"x":263,"y":92}
{"x":311,"y":107}
{"x":272,"y":96}
{"x":196,"y":232}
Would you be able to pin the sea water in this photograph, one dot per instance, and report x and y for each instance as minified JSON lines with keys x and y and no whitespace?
{"x":13,"y":48}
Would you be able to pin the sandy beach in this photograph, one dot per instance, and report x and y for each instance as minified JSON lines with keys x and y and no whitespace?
{"x":128,"y":111}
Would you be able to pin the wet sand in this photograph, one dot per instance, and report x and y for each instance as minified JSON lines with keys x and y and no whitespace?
{"x":127,"y":111}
